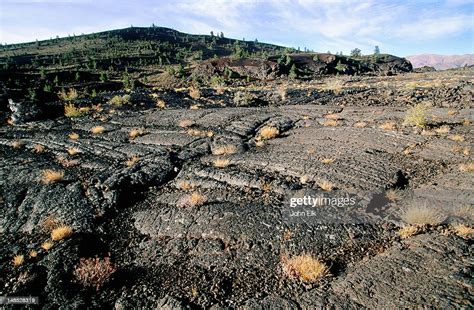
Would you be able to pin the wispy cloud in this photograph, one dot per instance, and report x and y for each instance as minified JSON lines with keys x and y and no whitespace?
{"x":317,"y":24}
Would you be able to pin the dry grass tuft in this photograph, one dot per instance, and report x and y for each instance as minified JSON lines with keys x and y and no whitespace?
{"x":304,"y":267}
{"x":330,"y":123}
{"x":193,"y":200}
{"x":132,"y":160}
{"x":457,"y":138}
{"x":94,"y":272}
{"x":195,"y":93}
{"x":186,"y":185}
{"x":421,"y":215}
{"x":408,"y":231}
{"x":268,"y":132}
{"x":97,"y":130}
{"x":120,"y":100}
{"x":227,"y":149}
{"x":47,"y":245}
{"x":259,"y":143}
{"x":304,"y":179}
{"x":467,"y":167}
{"x":136,"y":132}
{"x":463,"y":230}
{"x":71,"y":111}
{"x":17,"y":144}
{"x":61,"y":233}
{"x":185,"y":123}
{"x":51,"y":176}
{"x":18,"y":260}
{"x":282,"y":91}
{"x":360,"y":125}
{"x":160,"y":103}
{"x":392,"y":194}
{"x":221,"y":163}
{"x":326,"y":185}
{"x":466,"y":151}
{"x":199,"y":133}
{"x":33,"y":253}
{"x":72,"y":151}
{"x":38,"y":148}
{"x":73,"y":136}
{"x":452,"y":112}
{"x":195,"y":107}
{"x":388,"y":126}
{"x":327,"y":161}
{"x":443,"y":129}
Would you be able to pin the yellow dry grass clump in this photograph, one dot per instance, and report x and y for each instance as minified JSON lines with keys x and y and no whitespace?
{"x":17,"y":144}
{"x":327,"y":160}
{"x":47,"y":245}
{"x":392,"y":194}
{"x":360,"y":125}
{"x":72,"y":151}
{"x":268,"y":132}
{"x":326,"y":185}
{"x":408,"y":231}
{"x":136,"y":132}
{"x":97,"y":130}
{"x":132,"y":160}
{"x":195,"y":93}
{"x":61,"y":233}
{"x":443,"y":129}
{"x":71,"y":111}
{"x":69,"y":95}
{"x":199,"y":133}
{"x":94,"y":272}
{"x":421,"y":215}
{"x":457,"y":138}
{"x":227,"y":149}
{"x":193,"y":200}
{"x":388,"y":126}
{"x":221,"y":163}
{"x":18,"y":260}
{"x":304,"y":267}
{"x":184,"y":123}
{"x":330,"y":123}
{"x":33,"y":253}
{"x":51,"y":176}
{"x":186,"y":185}
{"x":467,"y":167}
{"x":73,"y":136}
{"x":463,"y":230}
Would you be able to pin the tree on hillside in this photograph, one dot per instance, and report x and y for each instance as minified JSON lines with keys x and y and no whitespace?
{"x":222,"y":35}
{"x":356,"y":52}
{"x":377,"y":50}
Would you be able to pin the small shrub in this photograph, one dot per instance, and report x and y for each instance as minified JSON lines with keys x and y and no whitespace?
{"x":71,"y":111}
{"x":304,"y":267}
{"x":243,"y":99}
{"x":94,"y":272}
{"x":193,"y":200}
{"x":268,"y":132}
{"x":17,"y":144}
{"x":61,"y":233}
{"x":282,"y":91}
{"x":69,"y":95}
{"x":421,"y":215}
{"x":416,"y":116}
{"x":227,"y":149}
{"x":185,"y":185}
{"x":119,"y":100}
{"x":392,"y":194}
{"x":18,"y":260}
{"x":328,"y":161}
{"x":51,"y":176}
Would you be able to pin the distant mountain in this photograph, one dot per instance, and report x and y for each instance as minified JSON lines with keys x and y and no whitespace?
{"x":441,"y":62}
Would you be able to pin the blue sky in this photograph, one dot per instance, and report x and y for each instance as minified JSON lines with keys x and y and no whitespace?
{"x":397,"y":27}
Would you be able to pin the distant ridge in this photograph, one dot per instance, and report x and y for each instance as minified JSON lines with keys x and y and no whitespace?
{"x":441,"y":62}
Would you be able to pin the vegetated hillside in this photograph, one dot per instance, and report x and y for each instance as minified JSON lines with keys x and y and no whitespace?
{"x":164,"y":58}
{"x":441,"y":62}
